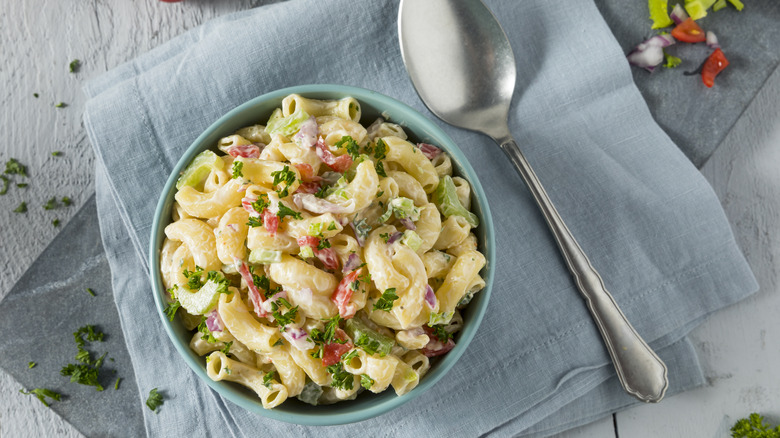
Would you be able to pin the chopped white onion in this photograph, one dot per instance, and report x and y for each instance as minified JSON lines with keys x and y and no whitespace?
{"x":318,"y":205}
{"x":712,"y":40}
{"x":678,"y":14}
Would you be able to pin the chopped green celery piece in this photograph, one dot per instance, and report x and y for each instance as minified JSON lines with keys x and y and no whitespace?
{"x":737,"y":4}
{"x":306,"y":252}
{"x":315,"y":229}
{"x":696,"y":9}
{"x":199,"y":169}
{"x":310,"y":393}
{"x":402,"y":208}
{"x":412,"y":240}
{"x":439,"y":318}
{"x":446,"y":199}
{"x":201,"y":302}
{"x":286,"y":126}
{"x":720,"y":4}
{"x":659,"y":13}
{"x":411,"y":375}
{"x":264,"y":256}
{"x":672,"y":61}
{"x":368,"y":339}
{"x":338,"y":189}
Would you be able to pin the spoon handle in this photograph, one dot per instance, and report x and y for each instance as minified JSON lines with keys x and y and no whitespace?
{"x":639,"y":369}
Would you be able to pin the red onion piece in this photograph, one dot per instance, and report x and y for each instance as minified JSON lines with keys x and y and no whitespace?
{"x":298,"y":338}
{"x":712,"y":40}
{"x":430,"y":151}
{"x":308,"y":187}
{"x":247,"y":204}
{"x":214,"y":322}
{"x":353,"y":262}
{"x":678,"y":14}
{"x":430,"y":297}
{"x":307,"y":133}
{"x":318,"y":205}
{"x":649,"y":53}
{"x":408,"y":223}
{"x":394,"y":238}
{"x":328,"y":258}
{"x":437,"y":348}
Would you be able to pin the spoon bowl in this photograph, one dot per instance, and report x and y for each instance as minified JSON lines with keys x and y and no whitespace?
{"x":462,"y":66}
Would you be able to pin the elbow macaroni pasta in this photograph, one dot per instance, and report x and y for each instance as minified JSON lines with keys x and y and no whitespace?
{"x":307,"y":222}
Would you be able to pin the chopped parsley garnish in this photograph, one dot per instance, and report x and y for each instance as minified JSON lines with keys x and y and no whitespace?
{"x":22,"y":208}
{"x":21,"y":185}
{"x":262,"y":203}
{"x":51,"y":204}
{"x":85,"y":373}
{"x":35,"y":95}
{"x":31,"y":365}
{"x":385,"y":236}
{"x":366,"y":381}
{"x":282,"y":319}
{"x":324,"y":243}
{"x":754,"y":427}
{"x":255,"y":221}
{"x":154,"y":401}
{"x":267,"y":378}
{"x":237,"y":169}
{"x":56,"y":154}
{"x":116,"y":385}
{"x":379,"y":193}
{"x":170,"y":309}
{"x":385,"y":302}
{"x":347,"y":356}
{"x":341,"y":378}
{"x":61,"y":105}
{"x":66,"y":200}
{"x":348,"y":143}
{"x":219,"y":278}
{"x":74,"y":65}
{"x":440,"y":333}
{"x":322,"y":338}
{"x":332,"y":226}
{"x":226,"y":349}
{"x":207,"y":335}
{"x":380,"y":169}
{"x":194,"y":280}
{"x":41,"y":393}
{"x":13,"y":167}
{"x":6,"y":183}
{"x":322,"y":192}
{"x":287,"y":211}
{"x":286,"y":176}
{"x":91,"y":292}
{"x":278,"y":342}
{"x":56,"y":222}
{"x":380,"y":151}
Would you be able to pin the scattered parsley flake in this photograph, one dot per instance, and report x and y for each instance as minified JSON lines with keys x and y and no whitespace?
{"x":22,"y":208}
{"x":13,"y":167}
{"x":255,"y":221}
{"x":341,"y":378}
{"x":170,"y":309}
{"x":380,"y":169}
{"x":55,"y":222}
{"x":51,"y":204}
{"x":74,"y":66}
{"x":754,"y":427}
{"x":207,"y":335}
{"x":35,"y":95}
{"x":31,"y":365}
{"x":56,"y":154}
{"x":366,"y":381}
{"x":286,"y":176}
{"x":440,"y":333}
{"x":380,"y":151}
{"x":21,"y":185}
{"x":347,"y":356}
{"x":348,"y":143}
{"x":226,"y":349}
{"x":66,"y":200}
{"x":287,"y":211}
{"x":116,"y":385}
{"x":385,"y":236}
{"x":332,"y":226}
{"x":154,"y":401}
{"x":61,"y":105}
{"x":671,"y":61}
{"x":237,"y":169}
{"x":41,"y":393}
{"x":324,"y":243}
{"x":385,"y":302}
{"x":90,"y":291}
{"x":268,"y":378}
{"x":6,"y":183}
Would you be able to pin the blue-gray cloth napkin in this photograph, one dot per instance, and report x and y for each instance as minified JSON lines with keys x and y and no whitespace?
{"x":647,"y":219}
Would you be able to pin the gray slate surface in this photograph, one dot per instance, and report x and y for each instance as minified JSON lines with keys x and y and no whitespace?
{"x":51,"y":299}
{"x":697,"y":118}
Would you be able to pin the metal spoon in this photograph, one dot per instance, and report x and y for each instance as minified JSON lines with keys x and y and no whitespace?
{"x":463,"y":68}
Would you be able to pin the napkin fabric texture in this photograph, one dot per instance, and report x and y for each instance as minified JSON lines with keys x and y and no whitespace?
{"x":646,"y":218}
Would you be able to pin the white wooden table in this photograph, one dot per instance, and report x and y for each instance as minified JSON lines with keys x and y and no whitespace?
{"x":738,"y":347}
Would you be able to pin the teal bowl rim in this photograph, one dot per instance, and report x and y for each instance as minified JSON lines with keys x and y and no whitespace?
{"x":367,"y":405}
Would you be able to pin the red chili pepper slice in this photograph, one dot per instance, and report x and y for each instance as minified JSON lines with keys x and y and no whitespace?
{"x":712,"y":66}
{"x":690,"y":32}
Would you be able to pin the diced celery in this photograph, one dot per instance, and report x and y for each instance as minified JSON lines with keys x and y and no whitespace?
{"x":737,"y":4}
{"x":286,"y":126}
{"x":412,"y":240}
{"x":368,"y":339}
{"x":306,"y":252}
{"x":659,"y":13}
{"x":201,"y":302}
{"x":264,"y":256}
{"x":439,"y":318}
{"x":310,"y":393}
{"x":720,"y":4}
{"x":696,"y":9}
{"x":315,"y":229}
{"x":199,"y":169}
{"x":446,"y":199}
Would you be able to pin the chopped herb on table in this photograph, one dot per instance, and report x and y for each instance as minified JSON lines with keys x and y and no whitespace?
{"x":754,"y":427}
{"x":86,"y":372}
{"x":31,"y":365}
{"x":51,"y":204}
{"x":35,"y":95}
{"x":41,"y":393}
{"x":74,"y":66}
{"x":55,"y":222}
{"x":21,"y":185}
{"x":6,"y":183}
{"x":13,"y":167}
{"x":22,"y":208}
{"x":385,"y":302}
{"x":91,"y":292}
{"x":154,"y":401}
{"x":56,"y":153}
{"x":61,"y":105}
{"x":116,"y":385}
{"x":66,"y":200}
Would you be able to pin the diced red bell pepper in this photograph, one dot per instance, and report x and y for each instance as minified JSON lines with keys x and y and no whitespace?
{"x":270,"y":221}
{"x":332,"y":352}
{"x":343,"y":294}
{"x":338,"y":164}
{"x":689,"y":31}
{"x":307,"y":172}
{"x":327,"y":256}
{"x":254,"y":293}
{"x":308,"y":187}
{"x":712,"y":66}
